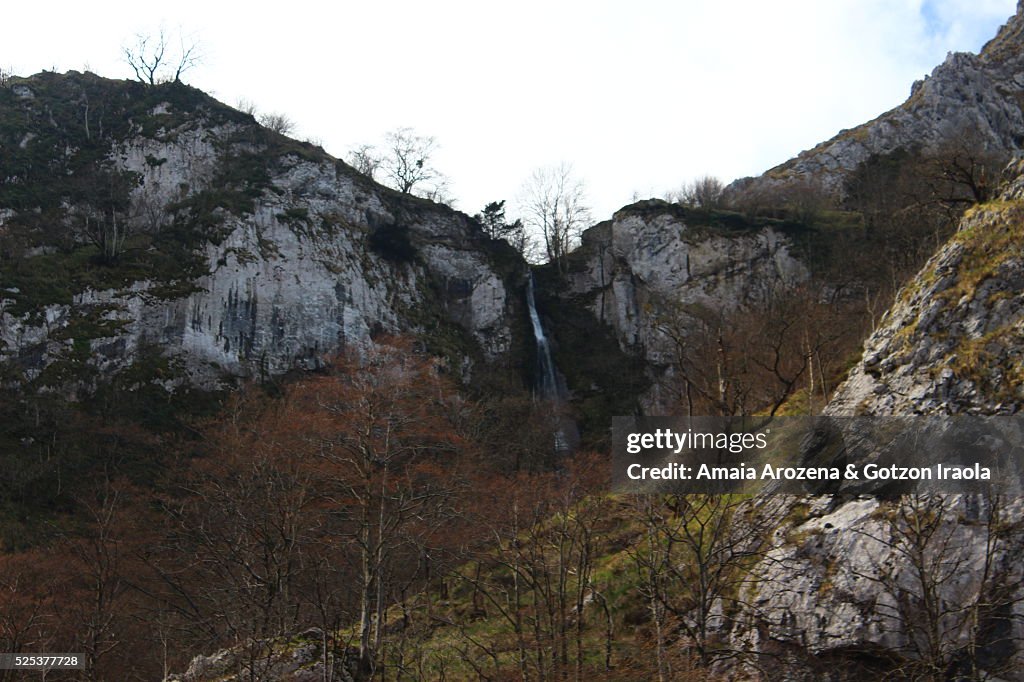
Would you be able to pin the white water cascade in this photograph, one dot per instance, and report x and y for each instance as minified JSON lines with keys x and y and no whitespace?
{"x":566,"y":435}
{"x":548,"y":383}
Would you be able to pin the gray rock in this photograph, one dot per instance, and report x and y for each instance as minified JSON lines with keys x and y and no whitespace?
{"x":965,"y":93}
{"x":289,"y":283}
{"x":649,"y":258}
{"x":837,"y":591}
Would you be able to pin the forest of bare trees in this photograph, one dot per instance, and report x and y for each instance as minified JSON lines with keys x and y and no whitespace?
{"x":363,"y":506}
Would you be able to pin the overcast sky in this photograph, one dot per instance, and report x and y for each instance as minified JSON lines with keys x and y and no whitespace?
{"x":639,"y":96}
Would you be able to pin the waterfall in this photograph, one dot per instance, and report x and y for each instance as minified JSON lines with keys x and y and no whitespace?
{"x":548,"y":386}
{"x":564,"y":428}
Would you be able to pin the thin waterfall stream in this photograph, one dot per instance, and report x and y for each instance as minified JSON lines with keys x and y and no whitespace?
{"x":548,"y":389}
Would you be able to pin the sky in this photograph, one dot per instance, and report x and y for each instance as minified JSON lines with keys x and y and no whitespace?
{"x":639,"y":96}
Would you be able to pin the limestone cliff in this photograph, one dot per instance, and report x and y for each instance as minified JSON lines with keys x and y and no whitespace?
{"x":843,"y":577}
{"x":137,"y":219}
{"x":953,"y":343}
{"x":655,"y":252}
{"x":655,"y":260}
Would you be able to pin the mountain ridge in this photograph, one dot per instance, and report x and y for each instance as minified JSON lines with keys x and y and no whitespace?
{"x":974,"y":94}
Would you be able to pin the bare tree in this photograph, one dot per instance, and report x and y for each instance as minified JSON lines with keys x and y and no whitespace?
{"x":804,"y":199}
{"x":155,"y":60}
{"x":380,"y":429}
{"x":694,"y":563}
{"x":407,"y":163}
{"x":948,"y":587}
{"x":279,"y":123}
{"x":747,"y":360}
{"x":535,"y":575}
{"x":553,"y":203}
{"x":963,"y":171}
{"x":251,"y":527}
{"x":26,"y":603}
{"x":439,"y":192}
{"x":910,"y":201}
{"x":246,"y":106}
{"x":98,"y":559}
{"x":275,"y":121}
{"x":704,"y":192}
{"x":366,"y":159}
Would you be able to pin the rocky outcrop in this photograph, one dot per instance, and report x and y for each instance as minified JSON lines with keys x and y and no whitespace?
{"x":980,"y":95}
{"x":954,"y":341}
{"x":847,"y":582}
{"x":848,"y":576}
{"x":654,"y":257}
{"x":845,"y":578}
{"x":293,"y":255}
{"x":296,"y":659}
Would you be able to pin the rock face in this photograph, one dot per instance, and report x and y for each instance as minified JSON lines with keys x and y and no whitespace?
{"x":847,"y":575}
{"x":850,"y":584}
{"x":954,"y":340}
{"x":143,"y":221}
{"x":844,"y":581}
{"x":296,"y":659}
{"x":980,"y":95}
{"x":293,"y":255}
{"x":654,"y":255}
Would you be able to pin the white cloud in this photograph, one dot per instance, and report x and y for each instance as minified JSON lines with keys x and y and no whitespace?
{"x":639,"y":96}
